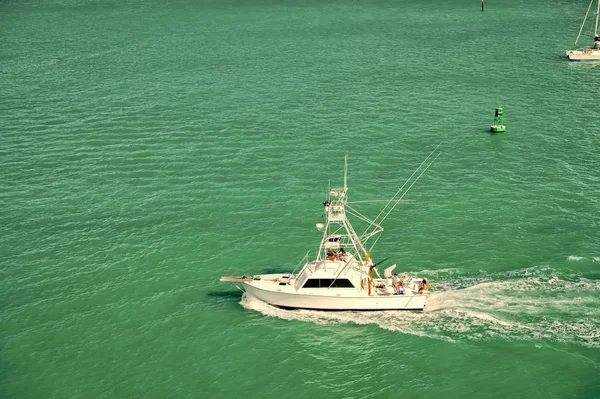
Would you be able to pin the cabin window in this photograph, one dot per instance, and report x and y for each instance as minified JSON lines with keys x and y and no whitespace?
{"x":328,"y":282}
{"x":311,"y":283}
{"x":342,"y":283}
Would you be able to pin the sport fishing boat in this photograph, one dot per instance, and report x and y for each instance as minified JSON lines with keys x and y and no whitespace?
{"x":588,"y":53}
{"x":344,"y":276}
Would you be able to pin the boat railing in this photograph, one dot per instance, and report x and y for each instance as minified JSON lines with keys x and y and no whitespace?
{"x":302,"y":262}
{"x":301,"y":278}
{"x":337,"y":214}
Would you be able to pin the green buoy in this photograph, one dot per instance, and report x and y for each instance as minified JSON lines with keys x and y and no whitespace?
{"x":498,"y":126}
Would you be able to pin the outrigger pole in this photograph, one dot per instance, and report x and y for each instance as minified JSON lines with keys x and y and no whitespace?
{"x":377,"y":228}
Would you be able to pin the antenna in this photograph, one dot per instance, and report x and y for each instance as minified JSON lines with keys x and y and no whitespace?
{"x":346,"y":172}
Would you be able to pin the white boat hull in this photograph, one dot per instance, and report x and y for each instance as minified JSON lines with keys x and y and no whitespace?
{"x":584,"y":55}
{"x":335,"y":300}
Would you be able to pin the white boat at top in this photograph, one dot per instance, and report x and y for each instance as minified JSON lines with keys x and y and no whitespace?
{"x":588,"y":53}
{"x":344,"y":276}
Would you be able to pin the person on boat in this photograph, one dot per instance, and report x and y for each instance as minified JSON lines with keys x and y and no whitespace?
{"x":331,"y":254}
{"x":399,"y":284}
{"x":423,"y":286}
{"x":396,"y":282}
{"x":342,"y":252}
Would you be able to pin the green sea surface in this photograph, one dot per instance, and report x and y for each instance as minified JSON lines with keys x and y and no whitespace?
{"x":148,"y":148}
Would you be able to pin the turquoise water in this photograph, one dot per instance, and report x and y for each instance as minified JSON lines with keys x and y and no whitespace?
{"x":147,"y":148}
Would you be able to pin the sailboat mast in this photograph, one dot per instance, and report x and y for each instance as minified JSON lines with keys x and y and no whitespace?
{"x":584,"y":19}
{"x":597,"y":14}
